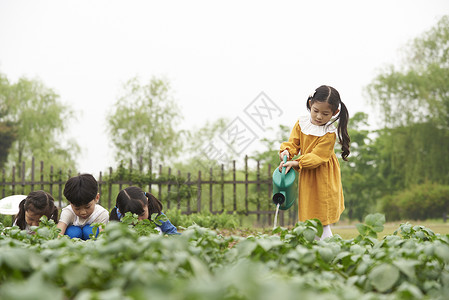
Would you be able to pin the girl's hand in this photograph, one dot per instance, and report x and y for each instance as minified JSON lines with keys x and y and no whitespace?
{"x":288,"y":165}
{"x":282,"y":154}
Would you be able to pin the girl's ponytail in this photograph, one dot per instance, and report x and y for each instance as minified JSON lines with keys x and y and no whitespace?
{"x":54,"y":215}
{"x":342,"y":129}
{"x":114,"y":216}
{"x":154,"y":204}
{"x":20,"y":217}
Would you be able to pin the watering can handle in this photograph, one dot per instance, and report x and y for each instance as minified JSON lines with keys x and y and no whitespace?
{"x":283,"y":172}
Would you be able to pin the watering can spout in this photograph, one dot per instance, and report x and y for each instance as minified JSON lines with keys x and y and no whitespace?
{"x":279,"y":198}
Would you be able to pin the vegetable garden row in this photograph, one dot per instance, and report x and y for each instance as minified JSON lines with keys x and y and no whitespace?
{"x":130,"y":262}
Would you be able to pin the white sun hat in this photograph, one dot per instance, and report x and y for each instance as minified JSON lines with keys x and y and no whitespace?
{"x":10,"y":205}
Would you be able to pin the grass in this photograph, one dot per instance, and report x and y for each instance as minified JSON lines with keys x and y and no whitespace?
{"x":349,"y":231}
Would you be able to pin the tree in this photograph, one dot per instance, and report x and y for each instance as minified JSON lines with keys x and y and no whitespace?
{"x":204,"y":149}
{"x":142,"y":122}
{"x":270,"y":153}
{"x":7,"y":129}
{"x":360,"y":177}
{"x":7,"y":137}
{"x":414,"y":103}
{"x":38,"y":121}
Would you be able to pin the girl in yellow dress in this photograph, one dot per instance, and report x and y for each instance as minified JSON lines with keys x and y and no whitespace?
{"x":314,"y":136}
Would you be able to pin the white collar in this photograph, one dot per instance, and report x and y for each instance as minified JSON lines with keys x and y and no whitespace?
{"x":309,"y":129}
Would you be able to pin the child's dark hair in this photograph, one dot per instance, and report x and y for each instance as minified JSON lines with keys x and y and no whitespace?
{"x":133,"y":199}
{"x":81,"y":189}
{"x":330,"y":95}
{"x":39,"y":202}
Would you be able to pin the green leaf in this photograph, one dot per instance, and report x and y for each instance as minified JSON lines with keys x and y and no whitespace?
{"x":309,"y":234}
{"x":33,"y":288}
{"x":76,"y":275}
{"x":17,"y":259}
{"x":376,"y":221}
{"x":158,"y":219}
{"x":326,"y":254}
{"x":268,"y":244}
{"x":407,"y":267}
{"x":408,"y":291}
{"x":363,"y":229}
{"x":442,"y":252}
{"x":315,"y":223}
{"x":357,"y":249}
{"x":383,"y":277}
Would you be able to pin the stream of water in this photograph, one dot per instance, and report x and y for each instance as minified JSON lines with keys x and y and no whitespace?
{"x":276,"y":216}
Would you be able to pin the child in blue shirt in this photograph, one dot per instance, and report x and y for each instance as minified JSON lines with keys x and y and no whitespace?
{"x":133,"y":199}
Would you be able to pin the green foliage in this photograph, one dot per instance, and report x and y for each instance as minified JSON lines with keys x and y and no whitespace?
{"x":420,"y":202}
{"x":46,"y":230}
{"x":408,"y":231}
{"x":271,"y":155}
{"x":360,"y":178}
{"x":204,"y":219}
{"x":142,"y":227}
{"x":123,"y":263}
{"x":39,"y":121}
{"x":374,"y":223}
{"x":8,"y":130}
{"x":7,"y":137}
{"x":414,"y":103}
{"x":142,"y":122}
{"x":200,"y":150}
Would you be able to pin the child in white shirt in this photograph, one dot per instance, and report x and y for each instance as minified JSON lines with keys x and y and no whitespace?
{"x":76,"y":218}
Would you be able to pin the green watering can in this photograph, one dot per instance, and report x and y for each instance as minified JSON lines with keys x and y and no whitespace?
{"x":285,"y":187}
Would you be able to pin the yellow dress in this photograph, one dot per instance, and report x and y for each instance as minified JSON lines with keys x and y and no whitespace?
{"x":320,"y":191}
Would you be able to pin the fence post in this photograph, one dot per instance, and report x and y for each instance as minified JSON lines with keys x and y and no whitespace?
{"x":42,"y":175}
{"x":235,"y":186}
{"x":168,"y":188}
{"x":23,"y":177}
{"x":270,"y":190}
{"x":32,"y":174}
{"x":210,"y":191}
{"x":188,"y":199}
{"x":14,"y":180}
{"x":178,"y":199}
{"x":100,"y":183}
{"x":150,"y":170}
{"x":198,"y":199}
{"x":4,"y":182}
{"x":110,"y":188}
{"x":160,"y":184}
{"x":258,"y":192}
{"x":60,"y":187}
{"x":246,"y":184}
{"x":51,"y":182}
{"x":222,"y":188}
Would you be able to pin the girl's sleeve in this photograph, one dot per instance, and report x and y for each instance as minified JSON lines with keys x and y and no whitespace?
{"x":292,"y":146}
{"x":168,"y":228}
{"x":320,"y":154}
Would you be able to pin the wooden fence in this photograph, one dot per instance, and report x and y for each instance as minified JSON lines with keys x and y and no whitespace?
{"x":248,"y":193}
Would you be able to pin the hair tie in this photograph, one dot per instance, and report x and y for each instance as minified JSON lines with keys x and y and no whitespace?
{"x":312,"y":95}
{"x":119,"y":215}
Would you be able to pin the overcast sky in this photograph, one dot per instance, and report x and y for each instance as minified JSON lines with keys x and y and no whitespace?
{"x":218,"y":56}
